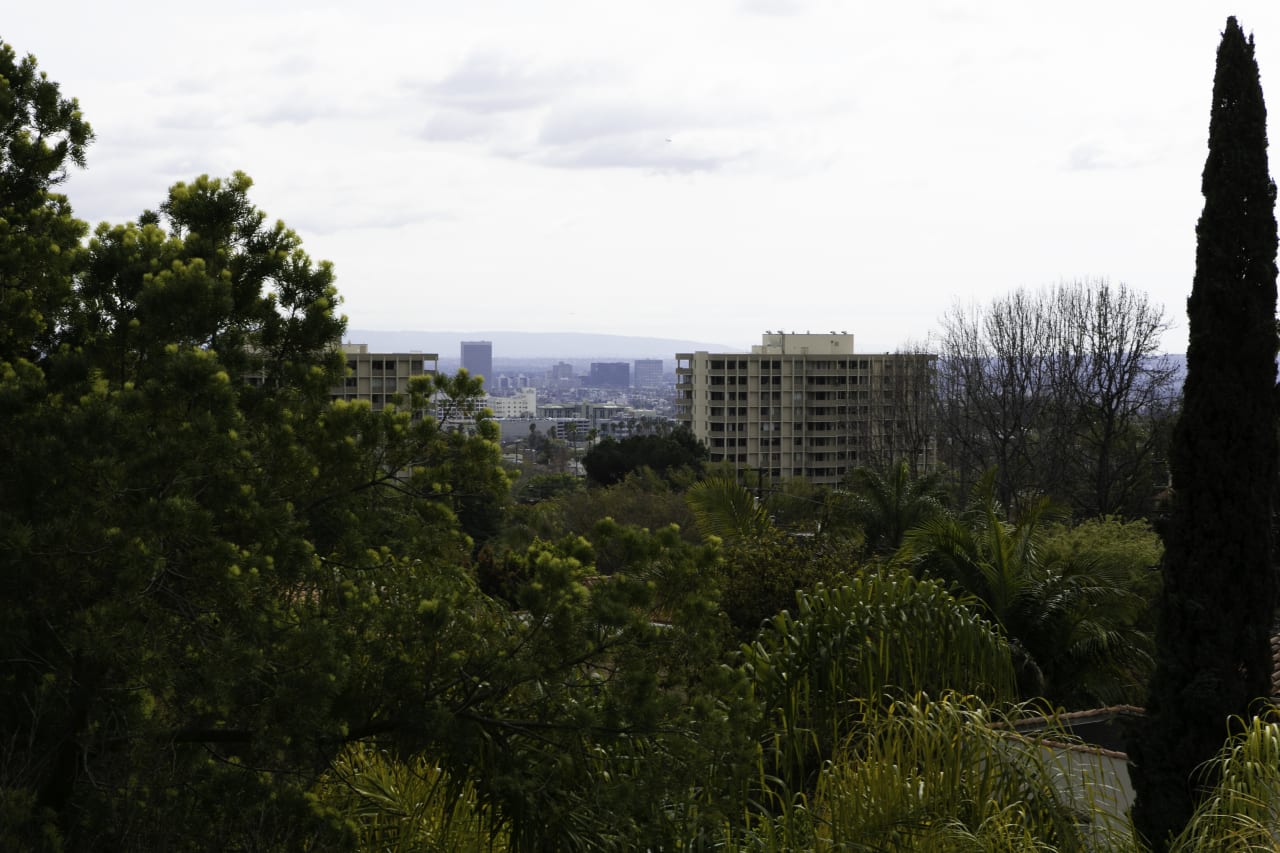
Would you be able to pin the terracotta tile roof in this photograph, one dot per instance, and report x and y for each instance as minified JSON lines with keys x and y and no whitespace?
{"x":1100,"y":730}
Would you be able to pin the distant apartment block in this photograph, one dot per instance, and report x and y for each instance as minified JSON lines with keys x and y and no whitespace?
{"x":377,"y":376}
{"x":561,"y":373}
{"x":477,"y":359}
{"x":509,"y":383}
{"x":647,"y":373}
{"x":804,"y":405}
{"x":609,"y":374}
{"x":521,"y":405}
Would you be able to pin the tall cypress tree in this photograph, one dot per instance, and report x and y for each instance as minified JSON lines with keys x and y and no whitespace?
{"x":1214,"y":654}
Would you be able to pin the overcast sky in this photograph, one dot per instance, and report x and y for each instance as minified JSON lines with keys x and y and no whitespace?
{"x":700,"y":169}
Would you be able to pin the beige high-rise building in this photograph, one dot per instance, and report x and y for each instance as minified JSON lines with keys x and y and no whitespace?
{"x":806,"y":405}
{"x":376,"y":376}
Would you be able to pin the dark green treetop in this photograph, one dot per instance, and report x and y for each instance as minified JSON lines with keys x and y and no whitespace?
{"x":1214,"y":656}
{"x":610,"y":461}
{"x":42,"y":134}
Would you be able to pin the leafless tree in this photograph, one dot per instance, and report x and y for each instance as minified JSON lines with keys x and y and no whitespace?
{"x":1062,"y":390}
{"x":1126,"y":392}
{"x":993,"y":390}
{"x":906,"y":429}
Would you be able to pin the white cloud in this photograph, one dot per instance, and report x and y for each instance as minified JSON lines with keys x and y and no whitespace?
{"x":838,"y":159}
{"x":776,"y":7}
{"x":452,"y":125}
{"x":629,"y":152}
{"x":492,"y":81}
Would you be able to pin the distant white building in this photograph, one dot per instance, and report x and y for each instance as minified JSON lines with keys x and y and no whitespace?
{"x":523,"y":404}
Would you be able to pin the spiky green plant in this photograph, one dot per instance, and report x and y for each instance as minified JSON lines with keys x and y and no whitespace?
{"x":953,"y":775}
{"x":881,"y":635}
{"x":394,"y":805}
{"x":887,"y":504}
{"x":1242,"y":813}
{"x":725,"y":509}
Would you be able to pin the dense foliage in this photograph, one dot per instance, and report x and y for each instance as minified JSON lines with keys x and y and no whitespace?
{"x":1073,"y":615}
{"x":214,"y":578}
{"x":610,"y":461}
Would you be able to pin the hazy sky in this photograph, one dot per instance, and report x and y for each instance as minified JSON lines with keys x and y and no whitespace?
{"x":701,"y":169}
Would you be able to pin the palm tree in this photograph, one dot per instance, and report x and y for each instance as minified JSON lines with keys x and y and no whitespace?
{"x":725,"y":509}
{"x":888,"y":505}
{"x":1071,"y":620}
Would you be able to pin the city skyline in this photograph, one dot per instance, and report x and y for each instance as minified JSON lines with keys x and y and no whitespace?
{"x":698,"y":171}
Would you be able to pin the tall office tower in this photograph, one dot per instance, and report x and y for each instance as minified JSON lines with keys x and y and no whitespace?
{"x":477,"y":358}
{"x":647,"y":373}
{"x":808,"y":406}
{"x":609,"y":374}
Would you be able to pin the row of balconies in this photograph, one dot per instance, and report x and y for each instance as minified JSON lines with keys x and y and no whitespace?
{"x":845,"y":426}
{"x":776,"y":396}
{"x":403,"y":367}
{"x":795,"y":365}
{"x":766,"y":412}
{"x":760,"y":458}
{"x":822,"y":475}
{"x":841,"y":380}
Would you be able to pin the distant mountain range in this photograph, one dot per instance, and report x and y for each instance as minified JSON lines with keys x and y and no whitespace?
{"x":535,"y":345}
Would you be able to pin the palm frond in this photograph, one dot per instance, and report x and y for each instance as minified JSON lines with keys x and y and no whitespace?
{"x":725,"y":509}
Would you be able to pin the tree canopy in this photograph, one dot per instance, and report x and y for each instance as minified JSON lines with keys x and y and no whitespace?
{"x":42,"y":135}
{"x":610,"y":460}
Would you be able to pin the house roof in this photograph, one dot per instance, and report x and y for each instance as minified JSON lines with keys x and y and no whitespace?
{"x":1100,"y":730}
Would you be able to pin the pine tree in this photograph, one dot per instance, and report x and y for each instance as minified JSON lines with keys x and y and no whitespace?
{"x":1214,"y":657}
